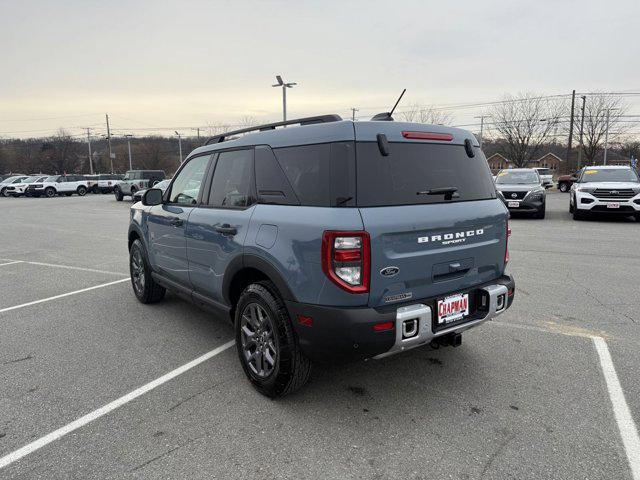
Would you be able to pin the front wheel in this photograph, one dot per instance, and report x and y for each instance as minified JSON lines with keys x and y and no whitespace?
{"x":144,"y":286}
{"x":50,"y":192}
{"x":118,"y":193}
{"x":82,"y":190}
{"x":563,"y":187}
{"x":577,"y":214}
{"x":541,"y":213}
{"x":267,"y":347}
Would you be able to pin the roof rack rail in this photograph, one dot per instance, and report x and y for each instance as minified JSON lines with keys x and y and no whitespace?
{"x":272,"y":126}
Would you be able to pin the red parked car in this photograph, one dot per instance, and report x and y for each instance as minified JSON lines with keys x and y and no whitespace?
{"x":565,"y":181}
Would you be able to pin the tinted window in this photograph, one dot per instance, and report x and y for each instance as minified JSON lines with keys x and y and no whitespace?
{"x":271,"y":183}
{"x":231,"y":186}
{"x":412,"y":167}
{"x":308,"y":170}
{"x":186,"y":186}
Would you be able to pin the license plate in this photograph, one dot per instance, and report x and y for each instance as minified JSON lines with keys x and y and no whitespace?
{"x":513,"y":204}
{"x":453,"y":308}
{"x":613,"y":205}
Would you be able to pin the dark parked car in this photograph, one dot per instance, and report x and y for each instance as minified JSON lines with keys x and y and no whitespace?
{"x":565,"y":181}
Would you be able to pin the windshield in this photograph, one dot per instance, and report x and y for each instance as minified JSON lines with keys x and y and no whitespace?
{"x":29,"y":180}
{"x":517,"y":177}
{"x":10,"y":179}
{"x":544,"y":171}
{"x":53,"y":178}
{"x":591,"y":175}
{"x":128,"y":176}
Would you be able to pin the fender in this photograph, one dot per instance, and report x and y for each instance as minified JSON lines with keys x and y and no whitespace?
{"x":135,"y":228}
{"x":260,"y":264}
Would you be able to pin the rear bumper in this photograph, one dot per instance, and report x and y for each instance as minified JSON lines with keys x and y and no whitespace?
{"x":339,"y":334}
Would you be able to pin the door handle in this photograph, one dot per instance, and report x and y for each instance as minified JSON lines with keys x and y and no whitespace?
{"x":226,"y":229}
{"x":176,"y":222}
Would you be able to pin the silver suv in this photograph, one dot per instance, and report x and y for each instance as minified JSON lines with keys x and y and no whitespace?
{"x":135,"y":180}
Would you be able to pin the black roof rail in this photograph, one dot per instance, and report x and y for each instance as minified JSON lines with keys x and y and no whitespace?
{"x":272,"y":126}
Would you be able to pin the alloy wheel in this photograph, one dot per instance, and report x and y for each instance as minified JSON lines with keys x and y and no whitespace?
{"x":137,"y":271}
{"x":258,"y":340}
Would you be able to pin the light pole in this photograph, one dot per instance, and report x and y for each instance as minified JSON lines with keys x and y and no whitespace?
{"x":128,"y":136}
{"x":281,"y":83}
{"x":353,"y":114}
{"x":179,"y":144}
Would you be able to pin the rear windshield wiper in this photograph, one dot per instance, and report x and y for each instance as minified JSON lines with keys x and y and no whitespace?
{"x":342,"y":200}
{"x":448,"y":192}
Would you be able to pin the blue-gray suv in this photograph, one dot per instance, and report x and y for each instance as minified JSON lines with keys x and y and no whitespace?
{"x":328,"y":241}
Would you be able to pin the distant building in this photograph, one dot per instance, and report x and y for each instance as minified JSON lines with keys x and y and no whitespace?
{"x":498,"y":162}
{"x":548,"y":160}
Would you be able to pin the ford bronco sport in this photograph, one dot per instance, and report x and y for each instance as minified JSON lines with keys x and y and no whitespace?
{"x":330,"y":241}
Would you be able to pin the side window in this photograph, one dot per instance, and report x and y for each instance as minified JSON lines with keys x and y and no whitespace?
{"x":271,"y":183}
{"x":308,"y":170}
{"x":231,"y":186}
{"x":186,"y":186}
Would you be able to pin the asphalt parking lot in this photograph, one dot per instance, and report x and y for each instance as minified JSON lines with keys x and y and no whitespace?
{"x":531,"y":395}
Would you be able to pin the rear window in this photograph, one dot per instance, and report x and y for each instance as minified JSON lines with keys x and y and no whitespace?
{"x":411,"y":168}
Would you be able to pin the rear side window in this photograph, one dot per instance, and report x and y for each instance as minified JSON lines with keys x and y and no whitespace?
{"x":231,"y":185}
{"x":271,"y":182}
{"x":420,"y":167}
{"x":307,"y":169}
{"x":321,"y":175}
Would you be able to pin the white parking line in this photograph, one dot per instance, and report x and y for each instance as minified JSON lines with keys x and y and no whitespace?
{"x":57,"y":265}
{"x":100,"y":412}
{"x":626,"y":425}
{"x":10,"y":263}
{"x":35,"y":302}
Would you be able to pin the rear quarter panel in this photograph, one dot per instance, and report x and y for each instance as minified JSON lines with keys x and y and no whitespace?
{"x":290,"y":239}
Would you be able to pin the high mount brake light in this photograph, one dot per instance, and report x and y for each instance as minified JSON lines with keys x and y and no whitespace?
{"x":346,"y":259}
{"x":445,"y":137}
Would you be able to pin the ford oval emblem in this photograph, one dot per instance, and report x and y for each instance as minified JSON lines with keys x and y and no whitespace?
{"x":389,"y":271}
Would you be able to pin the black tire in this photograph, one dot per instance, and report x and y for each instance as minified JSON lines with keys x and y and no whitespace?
{"x":577,"y":214}
{"x":133,"y":192}
{"x":563,"y":187}
{"x":571,"y":209}
{"x":541,"y":213}
{"x":637,"y":216}
{"x":118,"y":193}
{"x":50,"y":192}
{"x":82,"y":190}
{"x":144,"y":286}
{"x":290,"y":368}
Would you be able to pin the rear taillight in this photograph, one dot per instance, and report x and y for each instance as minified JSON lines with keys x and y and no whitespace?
{"x":506,"y":252}
{"x":346,"y":260}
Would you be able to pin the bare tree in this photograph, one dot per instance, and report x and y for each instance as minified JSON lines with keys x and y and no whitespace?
{"x":61,"y":153}
{"x":525,"y":122}
{"x":596,"y":108}
{"x":247,"y":121}
{"x":426,"y":114}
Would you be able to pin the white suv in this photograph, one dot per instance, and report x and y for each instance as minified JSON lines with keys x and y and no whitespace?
{"x":59,"y":185}
{"x":546,"y":176}
{"x":19,"y":189}
{"x":605,"y":189}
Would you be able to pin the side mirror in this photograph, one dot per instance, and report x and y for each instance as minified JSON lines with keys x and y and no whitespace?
{"x":152,"y":196}
{"x":573,"y":179}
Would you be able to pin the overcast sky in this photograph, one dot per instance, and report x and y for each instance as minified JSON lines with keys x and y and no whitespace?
{"x":191,"y":63}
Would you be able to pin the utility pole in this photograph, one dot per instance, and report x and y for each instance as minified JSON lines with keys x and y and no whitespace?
{"x":179,"y":144}
{"x":481,"y":117}
{"x":584,"y":99}
{"x":128,"y":136}
{"x":89,"y":144}
{"x":109,"y":141}
{"x":573,"y":104}
{"x":284,"y":85}
{"x":353,"y":113}
{"x":606,"y":136}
